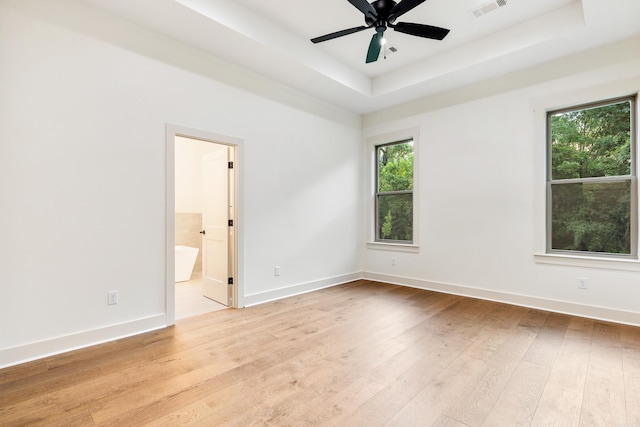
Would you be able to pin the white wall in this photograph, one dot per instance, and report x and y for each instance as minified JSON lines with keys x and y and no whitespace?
{"x":482,"y":187}
{"x":83,"y":108}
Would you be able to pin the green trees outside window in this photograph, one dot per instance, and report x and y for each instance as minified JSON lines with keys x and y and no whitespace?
{"x":394,"y":192}
{"x":591,"y":178}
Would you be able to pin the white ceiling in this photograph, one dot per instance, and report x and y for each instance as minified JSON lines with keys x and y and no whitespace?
{"x":271,"y":38}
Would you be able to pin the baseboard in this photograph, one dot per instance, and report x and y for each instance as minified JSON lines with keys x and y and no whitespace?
{"x":587,"y":311}
{"x":49,"y":347}
{"x":302,"y":288}
{"x":38,"y":350}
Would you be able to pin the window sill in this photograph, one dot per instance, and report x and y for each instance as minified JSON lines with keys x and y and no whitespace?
{"x":398,"y":247}
{"x":588,"y":262}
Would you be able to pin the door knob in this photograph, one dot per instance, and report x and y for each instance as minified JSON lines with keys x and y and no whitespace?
{"x":203,"y":232}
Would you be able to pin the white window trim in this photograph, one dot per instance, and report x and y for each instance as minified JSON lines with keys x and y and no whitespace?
{"x":541,"y":106}
{"x":622,"y":264}
{"x":372,"y":142}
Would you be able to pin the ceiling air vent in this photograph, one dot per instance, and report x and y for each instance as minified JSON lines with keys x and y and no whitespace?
{"x":388,"y":50}
{"x":488,"y":7}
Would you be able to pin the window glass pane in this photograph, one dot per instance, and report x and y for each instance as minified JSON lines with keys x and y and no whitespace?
{"x":395,"y":217}
{"x":593,"y":217}
{"x":395,"y":167}
{"x":591,"y":142}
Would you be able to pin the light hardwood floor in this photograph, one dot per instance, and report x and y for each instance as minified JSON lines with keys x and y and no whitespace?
{"x":359,"y":354}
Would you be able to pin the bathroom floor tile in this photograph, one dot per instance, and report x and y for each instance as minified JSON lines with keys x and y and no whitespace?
{"x":190,"y":302}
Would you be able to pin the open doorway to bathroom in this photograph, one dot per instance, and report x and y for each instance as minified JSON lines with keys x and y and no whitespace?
{"x":201,"y":224}
{"x":190,"y":242}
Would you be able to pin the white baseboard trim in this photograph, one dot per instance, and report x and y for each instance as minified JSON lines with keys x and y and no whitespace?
{"x":49,"y":347}
{"x":563,"y":307}
{"x":302,"y":288}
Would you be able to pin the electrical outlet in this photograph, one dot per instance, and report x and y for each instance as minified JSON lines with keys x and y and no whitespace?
{"x":112,"y":297}
{"x":583,"y":283}
{"x":277,"y":270}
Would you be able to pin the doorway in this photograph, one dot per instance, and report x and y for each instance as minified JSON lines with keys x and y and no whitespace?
{"x":202,"y":194}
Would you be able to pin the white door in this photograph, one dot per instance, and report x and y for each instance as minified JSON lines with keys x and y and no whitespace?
{"x":215,"y":226}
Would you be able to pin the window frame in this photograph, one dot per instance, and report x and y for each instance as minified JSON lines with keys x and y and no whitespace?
{"x":372,"y":143}
{"x":631,"y":178}
{"x":378,"y":193}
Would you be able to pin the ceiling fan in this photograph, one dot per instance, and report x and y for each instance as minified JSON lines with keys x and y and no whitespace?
{"x":382,"y":14}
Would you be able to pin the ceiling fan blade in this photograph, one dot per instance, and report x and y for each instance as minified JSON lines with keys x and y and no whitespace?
{"x":403,"y":7}
{"x":374,"y":47}
{"x":421,"y":30}
{"x":338,"y":34}
{"x":364,"y":7}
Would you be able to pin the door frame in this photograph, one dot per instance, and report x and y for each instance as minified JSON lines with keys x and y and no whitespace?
{"x":236,"y":144}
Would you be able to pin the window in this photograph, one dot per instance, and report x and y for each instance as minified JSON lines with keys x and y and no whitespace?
{"x":394,"y":192}
{"x":591,"y":179}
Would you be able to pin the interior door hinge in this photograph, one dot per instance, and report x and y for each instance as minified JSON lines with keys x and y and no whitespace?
{"x":230,"y":223}
{"x":230,"y":281}
{"x":230,"y":165}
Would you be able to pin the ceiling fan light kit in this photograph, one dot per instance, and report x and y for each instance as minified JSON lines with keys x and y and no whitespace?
{"x":382,"y":14}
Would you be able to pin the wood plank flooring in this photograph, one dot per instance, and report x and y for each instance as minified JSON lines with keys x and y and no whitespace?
{"x":359,"y":354}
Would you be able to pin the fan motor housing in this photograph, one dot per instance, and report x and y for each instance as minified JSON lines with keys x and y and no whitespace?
{"x":383,"y":8}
